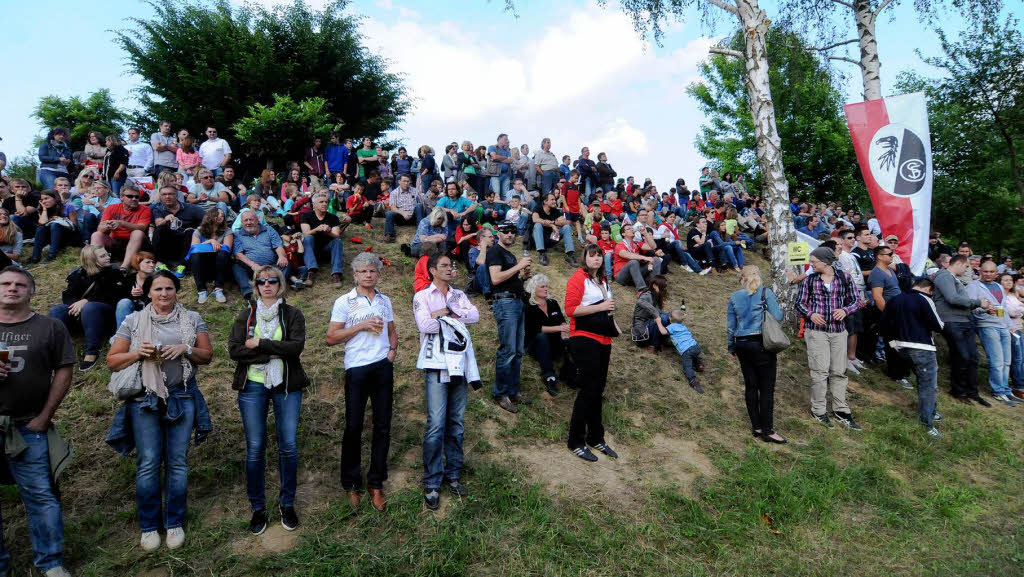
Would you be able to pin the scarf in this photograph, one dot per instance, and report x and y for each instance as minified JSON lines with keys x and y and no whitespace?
{"x":268,"y":321}
{"x":153,"y":377}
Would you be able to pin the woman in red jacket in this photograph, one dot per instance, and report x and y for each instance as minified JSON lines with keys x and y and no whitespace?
{"x":589,"y":304}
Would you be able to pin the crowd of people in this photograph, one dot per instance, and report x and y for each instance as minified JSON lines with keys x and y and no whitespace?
{"x":167,"y":207}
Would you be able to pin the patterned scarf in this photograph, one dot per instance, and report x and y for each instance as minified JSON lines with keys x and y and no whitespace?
{"x":153,"y":377}
{"x":268,"y":321}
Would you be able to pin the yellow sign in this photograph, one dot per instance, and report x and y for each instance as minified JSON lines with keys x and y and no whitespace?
{"x":799,"y":253}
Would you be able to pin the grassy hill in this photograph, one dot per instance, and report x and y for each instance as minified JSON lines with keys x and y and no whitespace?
{"x":692,"y":493}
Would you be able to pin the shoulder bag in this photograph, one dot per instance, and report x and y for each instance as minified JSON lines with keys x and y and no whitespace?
{"x":127,"y":382}
{"x":773,"y":338}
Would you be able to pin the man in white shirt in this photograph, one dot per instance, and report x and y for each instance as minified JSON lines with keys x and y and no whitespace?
{"x":140,"y":155}
{"x":873,"y":226}
{"x":855,"y":321}
{"x":165,"y":147}
{"x":215,"y":152}
{"x":363,"y":320}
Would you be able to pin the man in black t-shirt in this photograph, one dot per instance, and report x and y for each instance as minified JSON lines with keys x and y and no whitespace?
{"x":547,"y":221}
{"x":23,"y":205}
{"x":321,"y":239}
{"x":867,"y":341}
{"x":35,"y":374}
{"x":507,"y":276}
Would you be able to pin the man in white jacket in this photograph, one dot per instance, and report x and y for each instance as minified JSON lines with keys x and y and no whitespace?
{"x":446,"y":392}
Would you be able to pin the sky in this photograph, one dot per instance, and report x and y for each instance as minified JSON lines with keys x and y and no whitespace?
{"x":571,"y":71}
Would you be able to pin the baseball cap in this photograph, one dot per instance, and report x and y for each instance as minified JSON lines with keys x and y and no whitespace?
{"x":889,"y":237}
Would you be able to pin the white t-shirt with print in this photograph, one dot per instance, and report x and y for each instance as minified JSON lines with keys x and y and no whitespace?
{"x":364,"y":348}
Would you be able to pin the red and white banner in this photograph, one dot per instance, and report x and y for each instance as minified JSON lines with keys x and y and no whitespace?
{"x":893,"y":146}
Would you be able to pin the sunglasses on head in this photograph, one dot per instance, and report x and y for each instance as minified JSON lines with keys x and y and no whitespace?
{"x":270,"y":281}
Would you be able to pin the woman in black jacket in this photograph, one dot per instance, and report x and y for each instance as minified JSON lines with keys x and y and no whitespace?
{"x":547,"y":333}
{"x":266,"y":341}
{"x":115,"y":164}
{"x":90,"y":299}
{"x":605,"y":173}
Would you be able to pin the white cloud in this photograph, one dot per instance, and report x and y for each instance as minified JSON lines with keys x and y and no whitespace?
{"x":384,"y":4}
{"x":619,"y":136}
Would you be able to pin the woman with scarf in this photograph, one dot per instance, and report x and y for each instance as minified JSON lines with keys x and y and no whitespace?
{"x":266,"y":341}
{"x":169,"y":341}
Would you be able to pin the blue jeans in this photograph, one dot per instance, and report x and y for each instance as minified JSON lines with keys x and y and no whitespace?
{"x":655,"y":338}
{"x":927,"y":369}
{"x":542,"y":235}
{"x":47,"y":178}
{"x":608,"y":264}
{"x":332,"y":251}
{"x":124,"y":308}
{"x":116,"y":184}
{"x":675,"y":248}
{"x":243,"y":278}
{"x":95,"y":321}
{"x":442,"y":442}
{"x":51,"y":234}
{"x":549,"y":180}
{"x":31,"y":472}
{"x":1017,"y":360}
{"x":482,"y":276}
{"x":996,"y":342}
{"x":508,"y":315}
{"x":500,"y":185}
{"x":202,"y":262}
{"x":389,"y":220}
{"x":254,"y":404}
{"x":159,"y":441}
{"x":87,"y":224}
{"x":725,"y":255}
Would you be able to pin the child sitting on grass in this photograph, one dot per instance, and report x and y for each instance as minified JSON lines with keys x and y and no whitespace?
{"x":687,"y":347}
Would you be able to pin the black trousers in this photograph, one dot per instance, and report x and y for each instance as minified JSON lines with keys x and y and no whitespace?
{"x":374,"y":382}
{"x":170,"y":246}
{"x":592,"y":359}
{"x":208,"y":264}
{"x":963,"y":356}
{"x":758,"y":367}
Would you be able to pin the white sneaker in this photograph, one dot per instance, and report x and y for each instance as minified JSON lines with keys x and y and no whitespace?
{"x":904,"y":383}
{"x":933,"y":432}
{"x":201,"y":298}
{"x":219,"y":295}
{"x":150,"y":541}
{"x":58,"y":571}
{"x":851,"y":368}
{"x":685,"y":268}
{"x":175,"y":538}
{"x":857,"y":363}
{"x":705,"y":271}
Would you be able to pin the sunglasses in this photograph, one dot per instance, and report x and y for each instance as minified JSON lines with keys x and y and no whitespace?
{"x":205,"y":177}
{"x":269,"y":281}
{"x":130,"y":196}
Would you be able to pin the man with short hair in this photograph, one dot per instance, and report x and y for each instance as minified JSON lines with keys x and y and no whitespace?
{"x":165,"y":148}
{"x":588,"y":173}
{"x":884,"y":287}
{"x":314,"y":163}
{"x":506,"y":276}
{"x":954,"y":306}
{"x":993,"y":331}
{"x":546,"y":164}
{"x":321,"y":239}
{"x":124,"y":226}
{"x":813,"y":228}
{"x":550,"y":227}
{"x":140,"y":155}
{"x":35,"y":375}
{"x":209,"y":194}
{"x":215,"y":153}
{"x":1007,"y":266}
{"x":363,"y":321}
{"x":403,"y":205}
{"x":173,"y":224}
{"x":255,"y":246}
{"x":854,"y":321}
{"x":502,"y":154}
{"x":335,"y":157}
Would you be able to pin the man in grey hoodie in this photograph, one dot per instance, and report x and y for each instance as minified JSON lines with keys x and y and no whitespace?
{"x":954,"y":307}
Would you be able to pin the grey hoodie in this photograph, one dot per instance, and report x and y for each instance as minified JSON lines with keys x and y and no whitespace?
{"x":951,"y":299}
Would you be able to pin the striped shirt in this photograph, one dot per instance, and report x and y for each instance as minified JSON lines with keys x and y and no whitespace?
{"x":814,"y":296}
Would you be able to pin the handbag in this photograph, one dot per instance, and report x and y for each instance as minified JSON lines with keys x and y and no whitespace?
{"x":773,"y":338}
{"x":492,"y":168}
{"x":602,"y":323}
{"x":127,"y":382}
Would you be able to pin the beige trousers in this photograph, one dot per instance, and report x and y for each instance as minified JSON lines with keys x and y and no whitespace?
{"x":826,"y":357}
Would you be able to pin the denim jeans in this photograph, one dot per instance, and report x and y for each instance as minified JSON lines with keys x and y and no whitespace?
{"x":51,"y":234}
{"x":87,"y":224}
{"x":332,"y":252}
{"x":201,"y":263}
{"x":963,"y":356}
{"x":996,"y":342}
{"x":654,"y":336}
{"x":116,"y":184}
{"x":47,"y":178}
{"x":389,"y":220}
{"x":124,"y":308}
{"x":675,"y":249}
{"x":95,"y":321}
{"x":608,"y":264}
{"x":501,"y":187}
{"x":442,"y":442}
{"x":482,"y":276}
{"x":726,"y":255}
{"x":546,"y":347}
{"x":254,"y":403}
{"x":511,"y":321}
{"x":31,"y":472}
{"x":926,"y":367}
{"x":1017,"y":360}
{"x":374,"y":382}
{"x":549,"y":179}
{"x":243,"y":277}
{"x":541,"y":236}
{"x":690,"y":360}
{"x":27,"y":224}
{"x":160,"y":442}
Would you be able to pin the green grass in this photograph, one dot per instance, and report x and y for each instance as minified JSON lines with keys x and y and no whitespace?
{"x":692,"y":495}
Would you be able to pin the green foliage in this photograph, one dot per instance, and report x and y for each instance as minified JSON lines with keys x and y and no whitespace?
{"x":97,"y":112}
{"x":209,"y":64}
{"x":816,"y":148}
{"x":287,"y":125}
{"x":26,"y":167}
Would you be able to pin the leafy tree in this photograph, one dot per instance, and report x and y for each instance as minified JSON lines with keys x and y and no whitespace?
{"x":26,"y":167}
{"x":97,"y":112}
{"x":286,"y":127}
{"x":816,"y":149}
{"x":208,"y":64}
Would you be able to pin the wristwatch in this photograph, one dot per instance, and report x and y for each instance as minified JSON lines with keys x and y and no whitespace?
{"x":188,"y":351}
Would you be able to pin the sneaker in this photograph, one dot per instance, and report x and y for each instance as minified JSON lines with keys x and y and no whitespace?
{"x":1005,"y":399}
{"x":905,"y":384}
{"x":219,"y":295}
{"x":506,"y":404}
{"x":824,"y":420}
{"x":150,"y":541}
{"x":585,"y":454}
{"x":456,"y":488}
{"x":389,"y":238}
{"x":432,"y":499}
{"x":858,"y":363}
{"x":695,"y":384}
{"x":179,"y":271}
{"x":202,"y":297}
{"x":570,"y":259}
{"x":29,"y":241}
{"x":685,"y":268}
{"x":852,"y":368}
{"x":937,"y":416}
{"x":604,"y":448}
{"x":543,"y":259}
{"x":705,"y":272}
{"x":551,"y":384}
{"x":297,"y":286}
{"x":289,"y":520}
{"x":175,"y":538}
{"x":336,"y":279}
{"x":58,"y":571}
{"x":847,"y":419}
{"x":258,"y":523}
{"x":406,"y":249}
{"x":933,"y":432}
{"x":85,"y":365}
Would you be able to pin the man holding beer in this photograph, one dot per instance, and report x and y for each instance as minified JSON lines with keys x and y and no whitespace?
{"x":362,"y":319}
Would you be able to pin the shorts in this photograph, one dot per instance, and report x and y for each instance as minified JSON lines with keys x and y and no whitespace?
{"x":573,"y":216}
{"x":855,"y":322}
{"x":115,"y":246}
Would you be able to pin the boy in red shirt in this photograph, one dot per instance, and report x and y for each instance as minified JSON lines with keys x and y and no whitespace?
{"x":359,"y":208}
{"x":607,"y":246}
{"x":612,"y":206}
{"x":571,"y":203}
{"x":295,"y":272}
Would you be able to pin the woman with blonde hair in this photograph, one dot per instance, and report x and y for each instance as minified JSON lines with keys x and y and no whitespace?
{"x":547,"y":332}
{"x":11,"y":239}
{"x":747,"y":308}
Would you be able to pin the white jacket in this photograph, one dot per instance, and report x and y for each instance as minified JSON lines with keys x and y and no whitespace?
{"x":450,"y":351}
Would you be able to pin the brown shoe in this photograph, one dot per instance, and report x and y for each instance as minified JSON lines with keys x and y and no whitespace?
{"x":354,"y":499}
{"x":377,"y":499}
{"x":1018,"y":394}
{"x":506,"y":404}
{"x":337,"y":279}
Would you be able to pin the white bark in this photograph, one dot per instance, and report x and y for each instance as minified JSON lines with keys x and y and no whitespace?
{"x":869,"y":65}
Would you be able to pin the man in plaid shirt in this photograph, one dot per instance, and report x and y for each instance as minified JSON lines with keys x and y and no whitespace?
{"x":824,"y":299}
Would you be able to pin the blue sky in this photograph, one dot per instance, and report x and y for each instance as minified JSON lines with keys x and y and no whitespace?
{"x":570,"y":70}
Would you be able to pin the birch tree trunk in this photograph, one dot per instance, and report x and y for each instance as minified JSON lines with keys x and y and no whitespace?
{"x":869,"y":65}
{"x":774,"y":186}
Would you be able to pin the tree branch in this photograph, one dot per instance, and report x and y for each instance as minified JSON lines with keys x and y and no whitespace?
{"x":831,"y":46}
{"x":844,"y":59}
{"x":725,"y":5}
{"x":880,"y":8}
{"x":726,"y":52}
{"x":847,"y":4}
